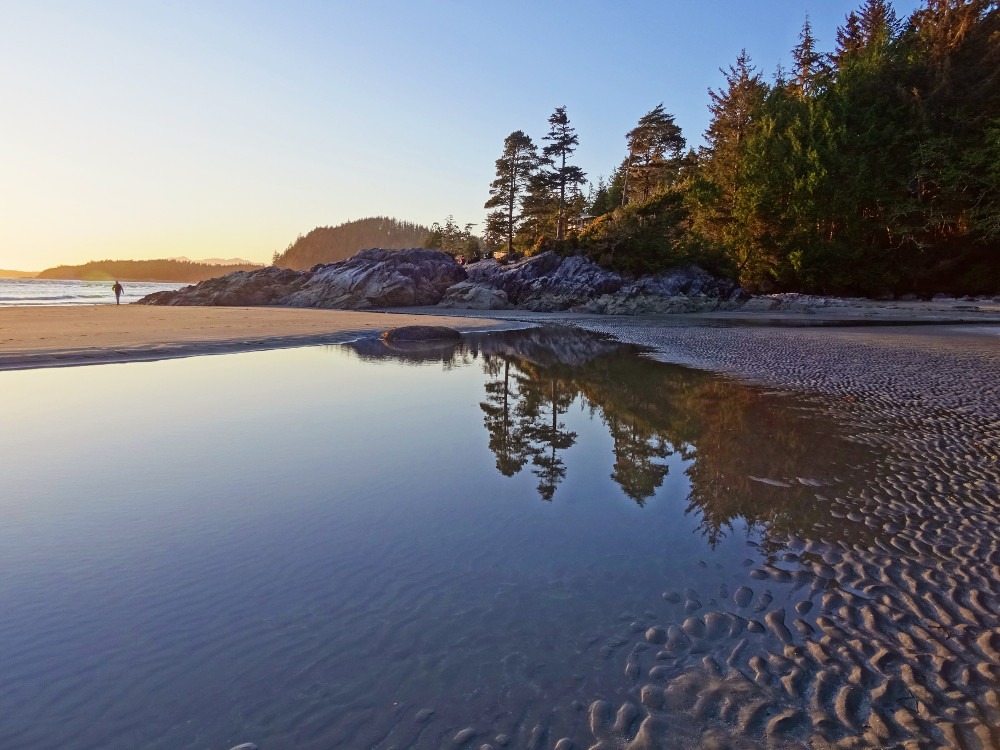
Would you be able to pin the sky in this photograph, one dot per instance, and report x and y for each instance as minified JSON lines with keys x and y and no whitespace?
{"x":225,"y":129}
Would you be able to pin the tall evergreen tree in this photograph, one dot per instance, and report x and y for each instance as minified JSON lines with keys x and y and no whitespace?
{"x":515,"y":168}
{"x":562,"y":177}
{"x":808,"y":62}
{"x":655,"y":145}
{"x":849,"y":38}
{"x":734,"y":108}
{"x":875,"y":24}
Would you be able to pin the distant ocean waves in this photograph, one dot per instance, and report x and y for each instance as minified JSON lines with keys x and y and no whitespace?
{"x":63,"y":292}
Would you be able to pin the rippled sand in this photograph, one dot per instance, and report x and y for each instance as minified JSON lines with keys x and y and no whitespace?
{"x":889,"y":637}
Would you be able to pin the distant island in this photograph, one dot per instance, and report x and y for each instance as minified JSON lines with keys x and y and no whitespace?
{"x":8,"y":274}
{"x":144,"y":270}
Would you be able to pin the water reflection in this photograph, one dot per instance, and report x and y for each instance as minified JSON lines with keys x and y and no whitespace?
{"x":748,"y":454}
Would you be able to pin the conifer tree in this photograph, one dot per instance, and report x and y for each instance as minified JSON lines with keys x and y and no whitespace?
{"x":654,"y":146}
{"x":808,"y":62}
{"x":562,"y":177}
{"x":599,"y":200}
{"x":515,"y":168}
{"x":734,"y":108}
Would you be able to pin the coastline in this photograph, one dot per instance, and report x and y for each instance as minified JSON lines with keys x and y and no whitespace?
{"x":834,"y":626}
{"x":59,"y":336}
{"x":63,"y":336}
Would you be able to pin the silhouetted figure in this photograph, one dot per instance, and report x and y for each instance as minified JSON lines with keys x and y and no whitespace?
{"x":118,"y":289}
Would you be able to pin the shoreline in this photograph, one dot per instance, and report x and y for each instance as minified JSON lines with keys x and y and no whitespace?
{"x":895,"y":562}
{"x":62,"y":336}
{"x":69,"y":335}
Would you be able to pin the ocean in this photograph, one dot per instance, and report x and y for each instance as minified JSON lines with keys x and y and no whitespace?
{"x":68,"y":292}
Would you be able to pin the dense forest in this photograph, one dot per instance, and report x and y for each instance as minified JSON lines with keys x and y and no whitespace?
{"x":143,"y":270}
{"x":871,"y":169}
{"x":329,"y":244}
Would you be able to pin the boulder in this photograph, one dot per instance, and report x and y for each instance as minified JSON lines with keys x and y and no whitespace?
{"x":420,"y":333}
{"x":380,"y":278}
{"x":470,"y":295}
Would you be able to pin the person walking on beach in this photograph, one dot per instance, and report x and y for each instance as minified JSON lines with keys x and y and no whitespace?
{"x":118,"y":289}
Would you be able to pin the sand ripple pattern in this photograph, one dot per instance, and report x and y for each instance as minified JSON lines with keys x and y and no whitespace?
{"x":885,"y":638}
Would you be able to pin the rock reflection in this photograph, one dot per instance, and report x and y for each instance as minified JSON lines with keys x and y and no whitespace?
{"x":749,"y":455}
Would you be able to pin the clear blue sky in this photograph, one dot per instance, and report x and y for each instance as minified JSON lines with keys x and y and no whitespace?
{"x":199,"y":128}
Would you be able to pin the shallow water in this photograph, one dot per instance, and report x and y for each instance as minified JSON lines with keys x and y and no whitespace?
{"x":33,"y":292}
{"x":366,"y":547}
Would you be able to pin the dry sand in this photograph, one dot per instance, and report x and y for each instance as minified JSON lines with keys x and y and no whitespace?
{"x":91,"y":334}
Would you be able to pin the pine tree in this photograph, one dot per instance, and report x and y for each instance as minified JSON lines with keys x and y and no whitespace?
{"x":874,"y":25}
{"x":734,"y":108}
{"x":562,"y":177}
{"x":654,"y":146}
{"x":515,"y":168}
{"x":808,"y":62}
{"x":849,"y":39}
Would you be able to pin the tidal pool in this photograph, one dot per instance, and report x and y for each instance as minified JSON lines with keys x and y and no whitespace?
{"x":531,"y":538}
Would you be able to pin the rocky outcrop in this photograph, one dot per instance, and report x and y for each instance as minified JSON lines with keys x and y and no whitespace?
{"x":688,"y":289}
{"x":268,"y":286}
{"x":380,"y":278}
{"x":542,"y":283}
{"x":548,"y":282}
{"x":405,"y":278}
{"x":372,"y":278}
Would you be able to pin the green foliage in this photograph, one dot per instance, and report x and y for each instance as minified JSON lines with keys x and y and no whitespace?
{"x":453,"y":239}
{"x":561,"y":178}
{"x":599,"y":199}
{"x":872,"y":170}
{"x":642,"y":237}
{"x":654,"y":148}
{"x":330,"y":244}
{"x":516,"y":169}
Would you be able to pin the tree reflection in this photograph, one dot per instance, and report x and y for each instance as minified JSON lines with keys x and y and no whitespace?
{"x":507,"y":438}
{"x":752,"y":457}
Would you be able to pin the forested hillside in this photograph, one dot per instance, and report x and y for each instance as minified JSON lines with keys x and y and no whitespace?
{"x":329,"y":244}
{"x":143,"y":270}
{"x":873,"y":168}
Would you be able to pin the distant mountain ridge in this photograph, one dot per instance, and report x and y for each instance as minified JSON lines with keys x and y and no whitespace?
{"x":164,"y":269}
{"x":330,"y":244}
{"x":215,"y":261}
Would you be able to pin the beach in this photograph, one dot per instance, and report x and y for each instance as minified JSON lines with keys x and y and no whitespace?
{"x":81,"y":334}
{"x":868,"y":613}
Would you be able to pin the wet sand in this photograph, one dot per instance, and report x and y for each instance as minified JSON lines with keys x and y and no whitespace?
{"x":883,"y":639}
{"x":881,"y":630}
{"x":92,"y":334}
{"x":884,"y":631}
